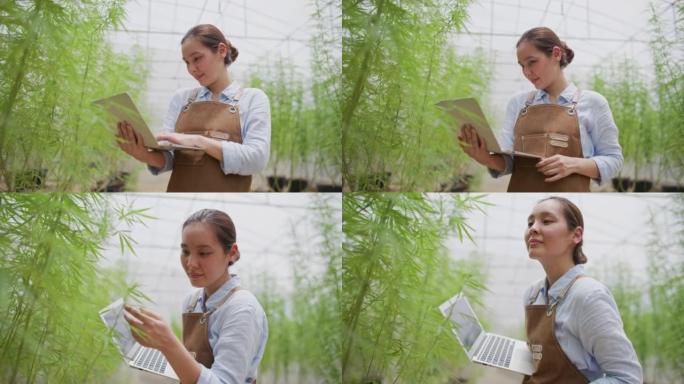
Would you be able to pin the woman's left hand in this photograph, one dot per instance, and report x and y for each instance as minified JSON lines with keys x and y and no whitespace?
{"x":557,"y":167}
{"x":148,"y":328}
{"x":197,"y":141}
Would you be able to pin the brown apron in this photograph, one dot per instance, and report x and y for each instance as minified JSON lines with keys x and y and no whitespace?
{"x":196,"y":171}
{"x":546,"y":130}
{"x":196,"y":330}
{"x":552,"y":364}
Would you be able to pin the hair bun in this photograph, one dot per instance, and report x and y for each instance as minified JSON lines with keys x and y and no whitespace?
{"x":231,"y":55}
{"x":569,"y":53}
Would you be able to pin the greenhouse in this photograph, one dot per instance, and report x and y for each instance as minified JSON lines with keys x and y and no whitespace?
{"x":342,"y":191}
{"x":401,"y":58}
{"x":60,"y":56}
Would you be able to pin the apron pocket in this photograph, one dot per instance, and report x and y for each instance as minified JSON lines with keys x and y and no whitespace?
{"x":534,"y":144}
{"x":188,"y":157}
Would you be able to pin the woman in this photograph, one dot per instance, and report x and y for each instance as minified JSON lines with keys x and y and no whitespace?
{"x":574,"y":329}
{"x":224,"y":327}
{"x":572,"y":130}
{"x":229,"y":125}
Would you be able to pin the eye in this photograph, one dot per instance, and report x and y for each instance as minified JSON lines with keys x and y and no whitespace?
{"x":184,"y":252}
{"x":529,"y":223}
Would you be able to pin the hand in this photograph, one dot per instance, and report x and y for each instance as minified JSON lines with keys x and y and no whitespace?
{"x":197,"y":141}
{"x":148,"y":328}
{"x":473,"y":145}
{"x":130,"y":141}
{"x":557,"y":167}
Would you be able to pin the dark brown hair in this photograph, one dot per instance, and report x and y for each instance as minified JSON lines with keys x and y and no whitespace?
{"x":544,"y":39}
{"x":211,"y":37}
{"x":220,"y":222}
{"x":574,"y":219}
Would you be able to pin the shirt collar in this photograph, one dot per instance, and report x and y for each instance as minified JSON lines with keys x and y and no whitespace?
{"x":226,"y":95}
{"x":219,"y":294}
{"x":561,"y":283}
{"x":565,"y":96}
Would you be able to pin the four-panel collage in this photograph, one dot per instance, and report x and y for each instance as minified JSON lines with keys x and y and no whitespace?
{"x":342,"y":191}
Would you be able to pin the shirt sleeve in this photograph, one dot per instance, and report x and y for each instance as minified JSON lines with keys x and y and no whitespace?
{"x":251,"y":156}
{"x":604,"y":135}
{"x":237,"y":344}
{"x":169,"y":126}
{"x":601,"y":333}
{"x":506,"y":137}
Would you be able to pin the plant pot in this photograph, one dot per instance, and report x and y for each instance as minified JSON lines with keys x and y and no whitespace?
{"x":297,"y":185}
{"x":116,"y":183}
{"x":671,"y":188}
{"x":643,"y":185}
{"x":377,"y":181}
{"x":277,"y":183}
{"x":622,"y":184}
{"x":328,"y":188}
{"x":30,"y":180}
{"x":458,"y":184}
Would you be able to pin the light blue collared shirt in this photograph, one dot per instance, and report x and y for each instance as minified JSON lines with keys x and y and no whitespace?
{"x":598,"y":132}
{"x":247,"y":158}
{"x":589,"y":329}
{"x":238,"y":331}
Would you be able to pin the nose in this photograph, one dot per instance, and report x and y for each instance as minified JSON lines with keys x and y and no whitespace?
{"x":192,"y":262}
{"x":534,"y":228}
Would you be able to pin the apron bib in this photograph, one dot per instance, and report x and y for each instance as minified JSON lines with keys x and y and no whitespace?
{"x":196,"y":331}
{"x":552,"y":364}
{"x":546,"y":130}
{"x":195,"y":171}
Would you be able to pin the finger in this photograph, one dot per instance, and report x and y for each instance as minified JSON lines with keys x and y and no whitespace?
{"x":141,"y":316}
{"x":554,"y":178}
{"x":150,"y":314}
{"x":139,"y":139}
{"x":132,"y":318}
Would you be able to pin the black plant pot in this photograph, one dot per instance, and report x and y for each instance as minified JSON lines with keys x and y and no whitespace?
{"x":672,"y":188}
{"x":377,"y":181}
{"x":643,"y":185}
{"x":277,"y":183}
{"x":30,"y":180}
{"x":622,"y":184}
{"x":298,"y":185}
{"x":328,"y":188}
{"x":116,"y":183}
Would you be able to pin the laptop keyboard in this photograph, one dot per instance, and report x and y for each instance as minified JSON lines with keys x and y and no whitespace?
{"x":151,"y":359}
{"x":496,"y":350}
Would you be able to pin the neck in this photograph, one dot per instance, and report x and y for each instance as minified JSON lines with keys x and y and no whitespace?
{"x":555,"y":270}
{"x":555,"y":88}
{"x":213,"y":287}
{"x":220,"y":84}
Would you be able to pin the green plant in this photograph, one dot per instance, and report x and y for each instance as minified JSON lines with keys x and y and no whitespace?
{"x":397,"y":63}
{"x":54,"y":61}
{"x":305,"y":328}
{"x":50,"y":246}
{"x":396,"y":272}
{"x":652,"y":310}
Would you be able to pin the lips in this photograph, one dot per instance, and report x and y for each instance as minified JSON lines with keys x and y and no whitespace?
{"x":195,"y":275}
{"x":533,"y":243}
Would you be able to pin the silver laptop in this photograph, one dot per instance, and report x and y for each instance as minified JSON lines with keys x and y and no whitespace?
{"x":484,"y":347}
{"x":468,"y":111}
{"x":121,"y":106}
{"x":137,"y":356}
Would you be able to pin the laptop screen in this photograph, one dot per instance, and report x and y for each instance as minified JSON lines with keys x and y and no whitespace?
{"x":114,"y":318}
{"x":466,"y":326}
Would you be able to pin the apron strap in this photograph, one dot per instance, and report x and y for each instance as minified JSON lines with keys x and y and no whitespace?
{"x":550,"y":308}
{"x":224,"y":300}
{"x":193,"y":301}
{"x":528,"y":102}
{"x":191,"y":99}
{"x":575,"y":100}
{"x":535,"y":292}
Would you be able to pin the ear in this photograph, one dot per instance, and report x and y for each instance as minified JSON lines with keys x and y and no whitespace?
{"x":577,"y":235}
{"x":233,"y":254}
{"x":222,"y":49}
{"x":557,"y":53}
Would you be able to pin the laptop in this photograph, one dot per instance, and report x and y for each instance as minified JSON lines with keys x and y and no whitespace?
{"x":468,"y":111}
{"x":143,"y":358}
{"x":121,"y":106}
{"x":484,"y":347}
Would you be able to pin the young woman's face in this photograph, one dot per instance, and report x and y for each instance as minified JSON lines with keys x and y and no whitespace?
{"x":203,"y":64}
{"x":202,"y":256}
{"x":539,"y":69}
{"x":547,"y":236}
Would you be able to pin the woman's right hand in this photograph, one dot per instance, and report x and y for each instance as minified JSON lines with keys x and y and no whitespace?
{"x":473,"y":145}
{"x":131,"y":142}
